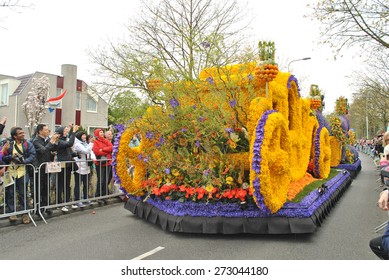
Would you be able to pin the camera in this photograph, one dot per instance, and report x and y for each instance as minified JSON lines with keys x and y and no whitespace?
{"x":18,"y":159}
{"x":74,"y":155}
{"x":4,"y":141}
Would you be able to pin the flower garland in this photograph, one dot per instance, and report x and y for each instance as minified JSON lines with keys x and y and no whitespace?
{"x":269,"y":160}
{"x":323,"y":121}
{"x":289,"y":83}
{"x":255,"y":160}
{"x":322,"y":153}
{"x":115,"y":151}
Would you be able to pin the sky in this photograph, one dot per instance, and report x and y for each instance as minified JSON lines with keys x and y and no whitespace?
{"x":52,"y":33}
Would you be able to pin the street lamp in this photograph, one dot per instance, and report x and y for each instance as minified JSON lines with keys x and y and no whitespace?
{"x":305,"y":58}
{"x":367,"y":121}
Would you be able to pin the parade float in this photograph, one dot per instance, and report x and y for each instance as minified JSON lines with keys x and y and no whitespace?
{"x":236,"y":151}
{"x":343,"y":140}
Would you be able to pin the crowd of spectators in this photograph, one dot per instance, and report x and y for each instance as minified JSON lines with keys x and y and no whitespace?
{"x":45,"y":163}
{"x":378,"y":149}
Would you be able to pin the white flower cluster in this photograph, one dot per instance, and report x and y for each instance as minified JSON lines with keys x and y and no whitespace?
{"x":35,"y":105}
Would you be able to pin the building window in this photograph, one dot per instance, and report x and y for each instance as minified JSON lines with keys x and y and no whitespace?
{"x":58,"y":116}
{"x":78,"y":117}
{"x":4,"y":95}
{"x":91,"y":105}
{"x":78,"y":100}
{"x":58,"y":93}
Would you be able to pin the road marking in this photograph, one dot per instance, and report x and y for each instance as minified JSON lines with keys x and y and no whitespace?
{"x":149,"y":253}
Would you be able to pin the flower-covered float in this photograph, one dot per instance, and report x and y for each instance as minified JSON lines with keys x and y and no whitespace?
{"x":229,"y":153}
{"x":344,"y":154}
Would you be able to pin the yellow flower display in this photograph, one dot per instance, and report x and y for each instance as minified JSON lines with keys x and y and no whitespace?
{"x":209,"y":188}
{"x":257,"y":107}
{"x":274,"y":176}
{"x":229,"y":180}
{"x":239,"y":159}
{"x":136,"y":157}
{"x":131,"y":185}
{"x":351,"y":138}
{"x":336,"y":127}
{"x":296,"y":112}
{"x":336,"y":151}
{"x":199,"y":140}
{"x":325,"y":154}
{"x":301,"y":145}
{"x":279,"y":95}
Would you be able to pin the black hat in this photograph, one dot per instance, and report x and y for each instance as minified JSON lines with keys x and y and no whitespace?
{"x":79,"y":134}
{"x":60,"y":130}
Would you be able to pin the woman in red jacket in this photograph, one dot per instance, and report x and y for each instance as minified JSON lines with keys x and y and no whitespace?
{"x":102,"y":148}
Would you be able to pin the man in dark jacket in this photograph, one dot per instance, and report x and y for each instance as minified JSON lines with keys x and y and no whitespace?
{"x":20,"y":152}
{"x":64,"y":153}
{"x":44,"y":146}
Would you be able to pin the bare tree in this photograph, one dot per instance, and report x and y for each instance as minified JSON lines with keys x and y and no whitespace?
{"x":172,"y":40}
{"x":353,"y":22}
{"x":369,"y":108}
{"x":375,"y":76}
{"x":12,"y":5}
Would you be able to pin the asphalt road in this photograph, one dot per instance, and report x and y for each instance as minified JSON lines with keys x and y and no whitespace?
{"x":113,"y":233}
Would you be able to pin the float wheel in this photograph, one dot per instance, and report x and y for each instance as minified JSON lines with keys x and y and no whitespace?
{"x":270,"y":167}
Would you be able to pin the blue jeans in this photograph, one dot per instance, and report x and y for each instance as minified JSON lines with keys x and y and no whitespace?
{"x":385,"y":240}
{"x":380,"y":245}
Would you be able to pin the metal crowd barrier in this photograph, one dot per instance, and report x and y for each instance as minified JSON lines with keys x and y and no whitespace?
{"x":68,"y":188}
{"x":385,"y":174}
{"x":381,"y":226}
{"x":17,"y":195}
{"x":43,"y":190}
